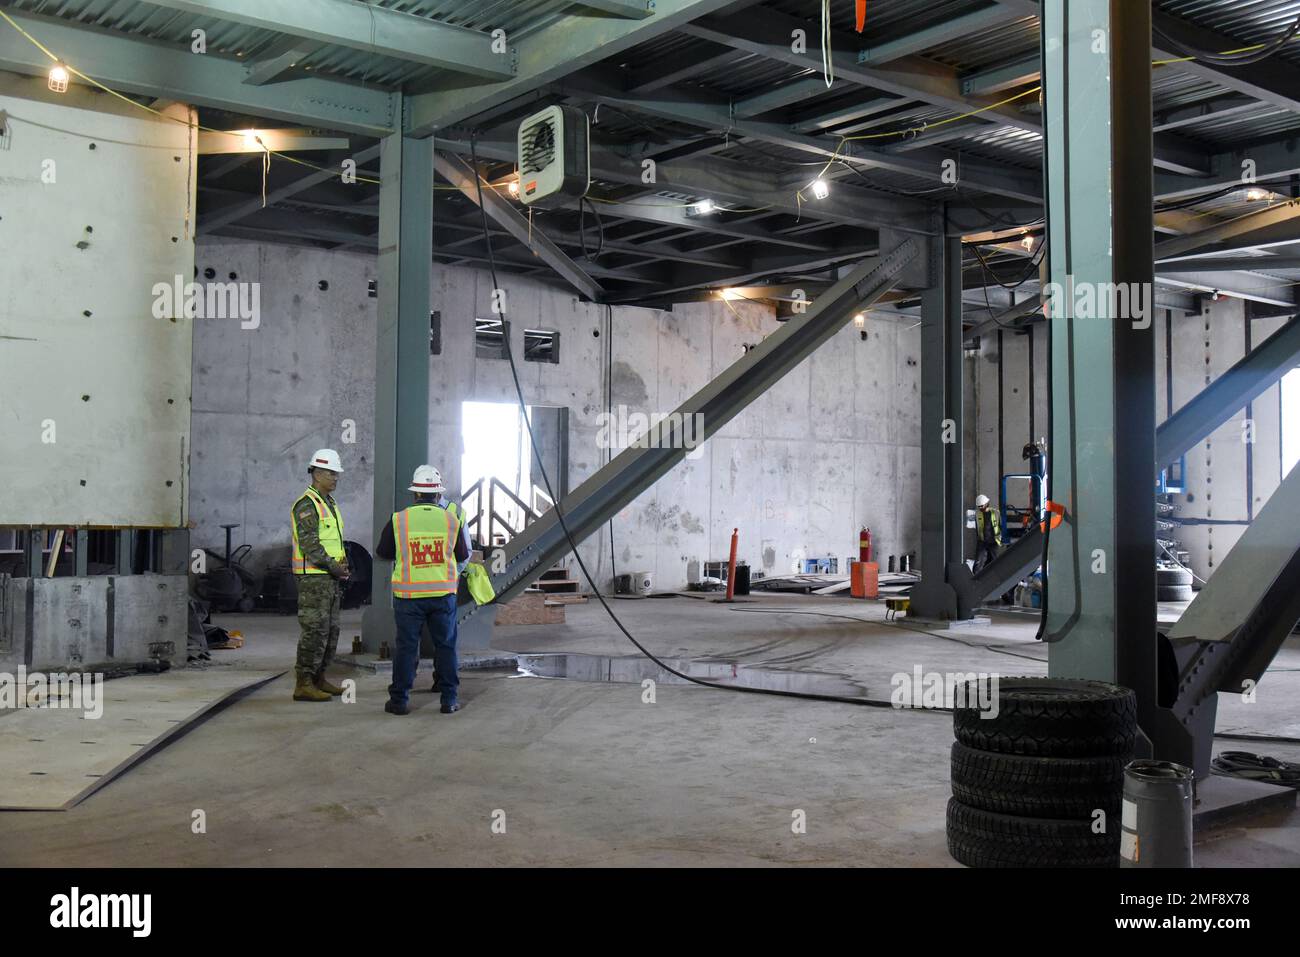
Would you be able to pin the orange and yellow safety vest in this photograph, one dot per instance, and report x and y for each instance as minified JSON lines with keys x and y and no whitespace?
{"x":424,"y":537}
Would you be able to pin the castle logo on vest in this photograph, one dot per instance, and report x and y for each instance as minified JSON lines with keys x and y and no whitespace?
{"x":423,"y":554}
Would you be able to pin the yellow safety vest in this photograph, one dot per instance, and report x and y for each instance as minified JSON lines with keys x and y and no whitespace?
{"x":425,"y":545}
{"x":330,"y":530}
{"x":997,"y":525}
{"x":480,"y":585}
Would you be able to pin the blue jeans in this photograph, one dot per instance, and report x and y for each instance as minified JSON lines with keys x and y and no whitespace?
{"x":411,"y":615}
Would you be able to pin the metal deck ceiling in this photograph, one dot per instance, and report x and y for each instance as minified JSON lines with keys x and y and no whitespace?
{"x":784,"y":143}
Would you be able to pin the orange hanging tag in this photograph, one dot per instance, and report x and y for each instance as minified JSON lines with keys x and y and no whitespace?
{"x":1058,"y":516}
{"x":862,"y":14}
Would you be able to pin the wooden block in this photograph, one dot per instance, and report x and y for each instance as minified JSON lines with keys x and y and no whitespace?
{"x":531,"y":608}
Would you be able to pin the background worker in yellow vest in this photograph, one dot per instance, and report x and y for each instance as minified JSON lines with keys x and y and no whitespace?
{"x":320,"y":563}
{"x":988,"y":532}
{"x":462,"y":595}
{"x":425,"y":545}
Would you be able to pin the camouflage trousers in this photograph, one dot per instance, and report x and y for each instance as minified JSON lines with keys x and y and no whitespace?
{"x":318,"y":617}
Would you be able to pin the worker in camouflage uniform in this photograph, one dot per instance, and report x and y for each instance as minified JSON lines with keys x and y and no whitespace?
{"x":320,"y":564}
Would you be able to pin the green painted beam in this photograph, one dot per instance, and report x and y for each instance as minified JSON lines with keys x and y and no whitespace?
{"x":130,"y":65}
{"x":362,"y":26}
{"x":950,"y":28}
{"x":551,"y":54}
{"x":629,"y":9}
{"x":684,"y":105}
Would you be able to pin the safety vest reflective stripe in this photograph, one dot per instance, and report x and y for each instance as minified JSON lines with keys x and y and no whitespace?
{"x":431,"y":539}
{"x":329,"y":528}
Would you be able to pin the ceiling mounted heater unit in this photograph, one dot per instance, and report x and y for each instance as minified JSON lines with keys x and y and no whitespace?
{"x":554,"y":156}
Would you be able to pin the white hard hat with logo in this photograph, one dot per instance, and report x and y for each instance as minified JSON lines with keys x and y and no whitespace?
{"x":325,"y":459}
{"x":427,"y":480}
{"x":981,"y":501}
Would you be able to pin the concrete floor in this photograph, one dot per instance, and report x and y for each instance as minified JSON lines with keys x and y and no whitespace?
{"x":585,"y":773}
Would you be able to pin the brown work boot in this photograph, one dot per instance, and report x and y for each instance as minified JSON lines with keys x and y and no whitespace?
{"x":324,"y":685}
{"x":304,"y":690}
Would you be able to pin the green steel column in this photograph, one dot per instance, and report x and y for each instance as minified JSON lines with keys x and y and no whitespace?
{"x":957,"y":573}
{"x":1101,"y":559}
{"x":402,"y":354}
{"x":932,"y":596}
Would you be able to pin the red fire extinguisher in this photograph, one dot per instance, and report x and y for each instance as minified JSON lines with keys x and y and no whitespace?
{"x":864,"y":545}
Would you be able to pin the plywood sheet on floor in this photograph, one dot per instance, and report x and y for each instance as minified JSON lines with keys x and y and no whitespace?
{"x":55,"y":757}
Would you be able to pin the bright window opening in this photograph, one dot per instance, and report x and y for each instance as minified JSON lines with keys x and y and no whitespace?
{"x":1290,"y":421}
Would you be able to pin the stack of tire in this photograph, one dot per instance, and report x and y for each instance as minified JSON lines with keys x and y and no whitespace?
{"x":1173,"y":583}
{"x":1027,"y":783}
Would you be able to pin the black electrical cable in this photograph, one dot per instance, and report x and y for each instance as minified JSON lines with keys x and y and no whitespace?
{"x":1255,"y":767}
{"x":564,"y":525}
{"x":1230,"y":60}
{"x":1030,"y":271}
{"x":582,"y":230}
{"x":609,"y":412}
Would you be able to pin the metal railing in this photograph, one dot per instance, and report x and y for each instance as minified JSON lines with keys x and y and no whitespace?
{"x":486,"y":523}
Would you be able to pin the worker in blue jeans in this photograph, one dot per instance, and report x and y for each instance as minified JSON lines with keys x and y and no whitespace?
{"x":425,"y":545}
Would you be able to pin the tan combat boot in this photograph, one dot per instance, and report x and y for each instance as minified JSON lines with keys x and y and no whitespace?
{"x":323,"y":684}
{"x":304,"y":690}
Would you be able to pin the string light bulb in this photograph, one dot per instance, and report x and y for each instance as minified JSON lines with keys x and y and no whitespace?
{"x":58,"y":81}
{"x":513,"y":188}
{"x":820,"y":188}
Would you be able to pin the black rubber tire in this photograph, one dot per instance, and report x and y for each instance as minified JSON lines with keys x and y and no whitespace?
{"x":1174,"y":593}
{"x":980,"y":838}
{"x":1027,"y":786}
{"x":1166,"y":575}
{"x":1050,"y":717}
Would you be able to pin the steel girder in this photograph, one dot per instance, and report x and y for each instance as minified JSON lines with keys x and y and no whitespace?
{"x":551,"y":54}
{"x":369,"y":28}
{"x":1195,"y":421}
{"x":634,"y":470}
{"x":1225,"y":396}
{"x":143,"y":67}
{"x":1235,"y":625}
{"x":944,"y":590}
{"x":402,"y":347}
{"x":462,"y":175}
{"x":1101,"y":609}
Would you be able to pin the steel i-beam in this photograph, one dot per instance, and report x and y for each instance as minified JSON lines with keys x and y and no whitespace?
{"x":1101,"y":609}
{"x":402,"y":347}
{"x":634,"y":470}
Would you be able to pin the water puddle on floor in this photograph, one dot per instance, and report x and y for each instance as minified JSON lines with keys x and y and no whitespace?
{"x":634,"y":669}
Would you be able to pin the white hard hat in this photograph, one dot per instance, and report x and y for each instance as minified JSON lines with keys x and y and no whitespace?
{"x":981,"y":501}
{"x":426,"y":479}
{"x":325,"y":459}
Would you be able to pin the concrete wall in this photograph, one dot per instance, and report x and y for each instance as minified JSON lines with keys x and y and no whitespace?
{"x":95,"y":369}
{"x":1191,"y":351}
{"x":832,"y":447}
